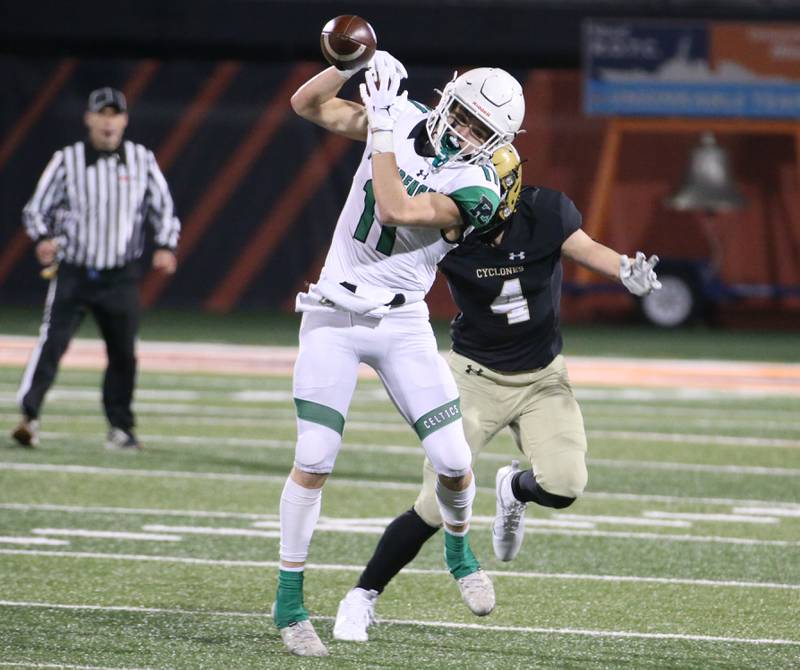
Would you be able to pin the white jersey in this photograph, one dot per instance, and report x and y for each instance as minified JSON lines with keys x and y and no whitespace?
{"x":364,"y":251}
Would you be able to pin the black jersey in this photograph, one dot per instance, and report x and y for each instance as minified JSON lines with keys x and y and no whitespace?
{"x":509,"y":294}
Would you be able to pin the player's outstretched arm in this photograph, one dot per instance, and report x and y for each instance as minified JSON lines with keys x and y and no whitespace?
{"x":638,"y":276}
{"x":595,"y":256}
{"x":394,"y":205}
{"x":316,"y":101}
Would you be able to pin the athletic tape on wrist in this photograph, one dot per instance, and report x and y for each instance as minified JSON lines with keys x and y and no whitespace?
{"x":383,"y":141}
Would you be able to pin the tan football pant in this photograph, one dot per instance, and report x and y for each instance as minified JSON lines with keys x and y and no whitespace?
{"x":540,"y":409}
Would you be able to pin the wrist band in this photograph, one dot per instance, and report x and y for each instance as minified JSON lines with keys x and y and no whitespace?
{"x":383,"y":141}
{"x":345,"y":74}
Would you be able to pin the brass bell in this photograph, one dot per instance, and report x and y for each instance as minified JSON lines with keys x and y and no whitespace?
{"x":707,"y":185}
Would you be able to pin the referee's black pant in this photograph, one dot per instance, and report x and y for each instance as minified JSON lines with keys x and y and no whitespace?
{"x":112,"y":297}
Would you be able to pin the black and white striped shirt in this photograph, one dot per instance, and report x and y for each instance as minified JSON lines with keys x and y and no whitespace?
{"x":95,"y":204}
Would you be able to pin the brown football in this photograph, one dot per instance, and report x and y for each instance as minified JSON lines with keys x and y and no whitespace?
{"x":347,"y":42}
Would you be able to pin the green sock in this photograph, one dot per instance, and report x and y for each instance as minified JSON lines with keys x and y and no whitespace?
{"x":289,"y":599}
{"x":458,"y":556}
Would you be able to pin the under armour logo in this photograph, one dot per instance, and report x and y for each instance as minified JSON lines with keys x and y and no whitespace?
{"x":422,"y":173}
{"x":516,"y":256}
{"x":472,"y":371}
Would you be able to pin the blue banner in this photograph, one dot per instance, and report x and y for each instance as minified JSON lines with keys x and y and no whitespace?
{"x":693,"y":69}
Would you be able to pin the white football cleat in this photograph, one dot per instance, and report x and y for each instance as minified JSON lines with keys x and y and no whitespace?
{"x":301,"y":639}
{"x":355,"y":614}
{"x":477,"y":591}
{"x":508,"y":527}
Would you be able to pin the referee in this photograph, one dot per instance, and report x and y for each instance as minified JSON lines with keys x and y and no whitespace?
{"x":87,"y":219}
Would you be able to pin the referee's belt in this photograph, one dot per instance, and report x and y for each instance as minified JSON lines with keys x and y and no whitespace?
{"x":363,"y":299}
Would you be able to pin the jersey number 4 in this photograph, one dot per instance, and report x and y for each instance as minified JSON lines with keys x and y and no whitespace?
{"x":388,"y":233}
{"x":511,"y":302}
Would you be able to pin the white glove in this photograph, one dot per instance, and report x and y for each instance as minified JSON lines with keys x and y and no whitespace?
{"x":381,"y":60}
{"x":640,"y":277}
{"x":383,"y":104}
{"x":386,"y":65}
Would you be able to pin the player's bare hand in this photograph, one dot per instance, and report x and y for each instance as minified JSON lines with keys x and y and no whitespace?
{"x":165,"y":261}
{"x":46,"y":251}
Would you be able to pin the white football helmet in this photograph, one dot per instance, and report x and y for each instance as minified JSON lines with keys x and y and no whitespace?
{"x":490,"y":95}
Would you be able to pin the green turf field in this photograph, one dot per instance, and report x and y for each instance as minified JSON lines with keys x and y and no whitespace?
{"x":684,"y":553}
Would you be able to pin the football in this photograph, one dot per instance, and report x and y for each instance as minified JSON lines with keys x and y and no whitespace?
{"x":347,"y":42}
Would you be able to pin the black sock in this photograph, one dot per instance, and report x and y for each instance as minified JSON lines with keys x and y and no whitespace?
{"x":526,"y":489}
{"x":399,"y":544}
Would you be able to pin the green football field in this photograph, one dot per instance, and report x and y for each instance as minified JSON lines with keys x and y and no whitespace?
{"x":684,"y":552}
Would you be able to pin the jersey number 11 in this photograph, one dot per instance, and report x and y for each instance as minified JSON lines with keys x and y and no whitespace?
{"x":388,"y":233}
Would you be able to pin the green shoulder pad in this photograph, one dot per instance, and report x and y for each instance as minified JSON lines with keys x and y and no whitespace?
{"x":478,"y":204}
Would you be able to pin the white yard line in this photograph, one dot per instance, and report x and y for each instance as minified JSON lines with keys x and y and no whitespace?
{"x":772,"y":511}
{"x":725,"y":518}
{"x":208,"y":530}
{"x":695,"y":467}
{"x":664,"y":537}
{"x":259,"y":520}
{"x":82,"y":509}
{"x":591,"y":633}
{"x":710,"y":410}
{"x":621,"y":520}
{"x":335,"y":481}
{"x":335,"y":567}
{"x":694,"y":500}
{"x":410,"y":622}
{"x":416,"y":451}
{"x":619,"y":404}
{"x":619,"y":420}
{"x":694,"y":438}
{"x":179,"y":474}
{"x":106,"y":534}
{"x":92,"y":394}
{"x":599,"y":410}
{"x":62,"y":666}
{"x":155,"y":414}
{"x":15,"y":539}
{"x":627,"y":436}
{"x":231,"y":416}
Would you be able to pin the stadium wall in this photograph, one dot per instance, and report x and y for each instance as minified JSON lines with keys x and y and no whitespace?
{"x":258,"y":189}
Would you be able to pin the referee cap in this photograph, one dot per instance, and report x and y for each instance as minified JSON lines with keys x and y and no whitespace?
{"x":107,"y":97}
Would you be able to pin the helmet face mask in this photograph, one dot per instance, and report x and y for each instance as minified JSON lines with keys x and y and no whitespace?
{"x":489,"y":102}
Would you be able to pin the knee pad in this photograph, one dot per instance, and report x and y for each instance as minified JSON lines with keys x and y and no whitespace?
{"x":448,"y":451}
{"x":317,"y":447}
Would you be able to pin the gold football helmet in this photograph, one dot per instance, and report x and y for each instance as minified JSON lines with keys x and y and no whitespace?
{"x":508,"y":164}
